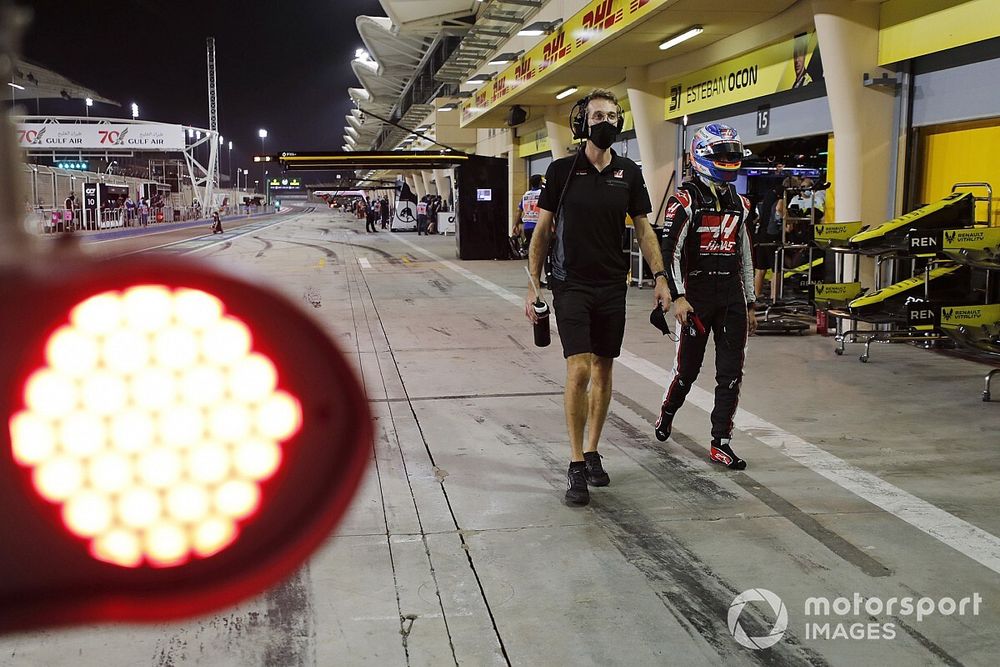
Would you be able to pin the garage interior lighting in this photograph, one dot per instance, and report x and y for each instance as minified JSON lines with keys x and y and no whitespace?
{"x":693,"y":31}
{"x":566,"y":93}
{"x":538,"y":28}
{"x":506,"y":58}
{"x":479,"y":79}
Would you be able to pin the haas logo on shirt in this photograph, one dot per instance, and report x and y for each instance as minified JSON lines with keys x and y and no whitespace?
{"x":717,"y":233}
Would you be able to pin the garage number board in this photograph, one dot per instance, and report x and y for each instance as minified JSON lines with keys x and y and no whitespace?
{"x":763,"y":119}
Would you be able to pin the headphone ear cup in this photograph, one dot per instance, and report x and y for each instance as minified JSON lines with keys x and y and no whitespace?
{"x":578,"y":119}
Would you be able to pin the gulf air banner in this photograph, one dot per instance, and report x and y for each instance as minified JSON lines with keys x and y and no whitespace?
{"x":100,"y":136}
{"x":794,"y":63}
{"x":590,"y":26}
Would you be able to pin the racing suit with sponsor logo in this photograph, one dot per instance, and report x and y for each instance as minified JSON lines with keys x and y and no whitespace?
{"x":706,"y":250}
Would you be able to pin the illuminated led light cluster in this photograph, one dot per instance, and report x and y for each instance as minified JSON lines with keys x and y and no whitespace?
{"x":152,"y":424}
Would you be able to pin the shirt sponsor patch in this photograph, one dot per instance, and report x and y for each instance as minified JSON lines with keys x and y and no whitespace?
{"x":529,"y":206}
{"x":619,"y":173}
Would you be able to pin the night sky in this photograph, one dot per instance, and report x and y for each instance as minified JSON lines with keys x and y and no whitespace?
{"x":281,"y":65}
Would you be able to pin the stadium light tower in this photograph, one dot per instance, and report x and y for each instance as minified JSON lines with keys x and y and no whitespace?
{"x":262,"y":133}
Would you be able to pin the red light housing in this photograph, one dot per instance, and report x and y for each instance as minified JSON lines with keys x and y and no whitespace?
{"x":175,"y":439}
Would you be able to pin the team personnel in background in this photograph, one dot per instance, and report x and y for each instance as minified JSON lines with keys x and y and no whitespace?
{"x":581,"y":213}
{"x":129,"y":211}
{"x":433,"y":208}
{"x":368,"y":208}
{"x":527,"y":210}
{"x":70,"y":212}
{"x":386,"y":211}
{"x":770,"y":214}
{"x":710,"y":275}
{"x":422,"y":215}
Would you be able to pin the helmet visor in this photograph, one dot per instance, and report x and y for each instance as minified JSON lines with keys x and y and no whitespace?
{"x":723,"y":151}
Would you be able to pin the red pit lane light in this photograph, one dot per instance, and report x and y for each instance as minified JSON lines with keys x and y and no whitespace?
{"x":174,"y":440}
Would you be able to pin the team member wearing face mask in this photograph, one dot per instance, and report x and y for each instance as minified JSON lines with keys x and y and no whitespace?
{"x":582,"y":210}
{"x":710,"y":274}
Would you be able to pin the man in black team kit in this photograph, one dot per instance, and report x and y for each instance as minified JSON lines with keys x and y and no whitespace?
{"x":710,"y":275}
{"x":581,"y":212}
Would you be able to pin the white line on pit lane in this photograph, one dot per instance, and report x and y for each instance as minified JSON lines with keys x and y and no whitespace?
{"x":365,"y":264}
{"x":960,"y":535}
{"x":212,"y":245}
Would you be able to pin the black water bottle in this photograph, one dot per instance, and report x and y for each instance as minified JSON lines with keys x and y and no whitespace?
{"x":541,"y":327}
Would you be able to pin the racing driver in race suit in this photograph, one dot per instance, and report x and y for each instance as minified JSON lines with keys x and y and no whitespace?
{"x":709,"y":267}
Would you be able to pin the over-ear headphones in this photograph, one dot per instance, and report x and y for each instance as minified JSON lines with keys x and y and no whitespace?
{"x":578,"y":118}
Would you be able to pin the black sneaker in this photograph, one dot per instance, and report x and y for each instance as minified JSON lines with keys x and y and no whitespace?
{"x":723,"y":454}
{"x":662,"y":427}
{"x":576,"y":482}
{"x":596,"y":475}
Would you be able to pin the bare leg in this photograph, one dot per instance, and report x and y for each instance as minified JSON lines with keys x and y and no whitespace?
{"x":758,"y":281}
{"x":577,"y":378}
{"x":600,"y":398}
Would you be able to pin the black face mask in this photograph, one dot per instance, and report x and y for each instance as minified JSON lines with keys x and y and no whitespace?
{"x":603,"y":134}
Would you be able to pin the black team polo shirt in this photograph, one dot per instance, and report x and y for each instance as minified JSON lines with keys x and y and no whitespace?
{"x":591,"y":222}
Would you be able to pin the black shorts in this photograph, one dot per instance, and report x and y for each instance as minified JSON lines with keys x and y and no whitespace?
{"x":528,"y":231}
{"x":590,"y":318}
{"x":763,"y":252}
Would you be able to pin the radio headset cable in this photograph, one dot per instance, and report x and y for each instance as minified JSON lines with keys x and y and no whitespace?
{"x":562,"y":195}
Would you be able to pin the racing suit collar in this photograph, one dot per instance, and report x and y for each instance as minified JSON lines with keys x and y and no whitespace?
{"x":715,"y":194}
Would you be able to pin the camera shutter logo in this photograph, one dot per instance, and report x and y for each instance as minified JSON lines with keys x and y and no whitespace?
{"x":780,"y":623}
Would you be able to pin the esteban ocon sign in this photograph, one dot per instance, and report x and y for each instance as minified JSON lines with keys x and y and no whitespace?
{"x":794,"y":63}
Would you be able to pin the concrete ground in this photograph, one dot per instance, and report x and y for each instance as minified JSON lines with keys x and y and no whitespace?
{"x":873,"y":481}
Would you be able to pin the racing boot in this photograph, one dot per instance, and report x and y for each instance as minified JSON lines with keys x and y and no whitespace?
{"x":662,"y":427}
{"x":723,"y":454}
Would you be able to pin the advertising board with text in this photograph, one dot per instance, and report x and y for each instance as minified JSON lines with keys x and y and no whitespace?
{"x":597,"y":21}
{"x":103,"y":136}
{"x":793,"y":63}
